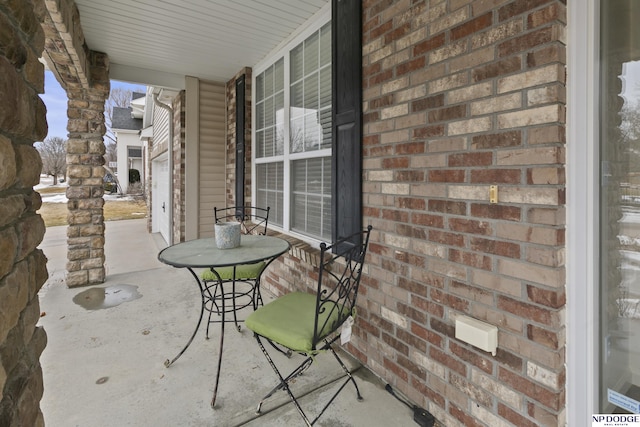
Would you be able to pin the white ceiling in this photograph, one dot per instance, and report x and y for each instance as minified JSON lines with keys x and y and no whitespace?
{"x":160,"y":41}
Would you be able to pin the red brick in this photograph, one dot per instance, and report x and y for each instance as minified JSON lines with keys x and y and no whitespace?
{"x":509,"y":359}
{"x":526,"y":42}
{"x":381,"y":29}
{"x":413,"y":286}
{"x":415,"y":369}
{"x":495,"y":69}
{"x":410,"y":203}
{"x":447,"y":175}
{"x":370,"y":70}
{"x":536,"y":392}
{"x":412,"y":340}
{"x":381,"y":323}
{"x":518,"y":7}
{"x":427,"y":306}
{"x":470,"y":226}
{"x":547,"y":55}
{"x":410,"y":148}
{"x":427,"y":220}
{"x":429,"y":45}
{"x":542,"y":415}
{"x":371,"y":117}
{"x":410,"y":231}
{"x":408,"y":258}
{"x":412,"y":313}
{"x":447,"y":114}
{"x":410,"y":66}
{"x":451,"y":239}
{"x":394,"y":215}
{"x":513,"y":417}
{"x":442,"y":327}
{"x":496,"y":140}
{"x":496,"y":247}
{"x":367,"y":327}
{"x":550,"y":298}
{"x":471,"y":259}
{"x":525,"y":311}
{"x":473,"y":26}
{"x":383,"y":101}
{"x":448,"y":361}
{"x":397,"y":345}
{"x":448,"y":207}
{"x":371,"y":140}
{"x":381,"y":77}
{"x":427,"y":334}
{"x":507,"y":213}
{"x":462,"y":416}
{"x":396,"y":163}
{"x":427,"y":392}
{"x":496,"y":176}
{"x":470,"y":159}
{"x":396,"y":369}
{"x":427,"y":103}
{"x":481,"y":362}
{"x":428,"y":132}
{"x":552,"y":13}
{"x":543,"y":337}
{"x":409,"y":176}
{"x":396,"y":33}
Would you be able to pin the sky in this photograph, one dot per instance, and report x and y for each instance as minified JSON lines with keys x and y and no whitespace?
{"x":55,"y":99}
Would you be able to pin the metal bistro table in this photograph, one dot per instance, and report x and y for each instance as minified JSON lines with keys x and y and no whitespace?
{"x":203,"y":253}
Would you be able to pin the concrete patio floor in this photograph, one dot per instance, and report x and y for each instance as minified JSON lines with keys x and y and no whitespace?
{"x":104,"y":367}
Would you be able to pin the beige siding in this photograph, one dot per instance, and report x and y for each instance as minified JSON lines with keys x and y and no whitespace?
{"x":211,"y":154}
{"x":160,"y":129}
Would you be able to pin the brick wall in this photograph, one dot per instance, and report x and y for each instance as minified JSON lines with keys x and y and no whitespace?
{"x":178,"y":175}
{"x":22,"y":266}
{"x":460,"y":95}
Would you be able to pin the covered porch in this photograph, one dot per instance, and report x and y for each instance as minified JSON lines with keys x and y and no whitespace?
{"x":104,"y":364}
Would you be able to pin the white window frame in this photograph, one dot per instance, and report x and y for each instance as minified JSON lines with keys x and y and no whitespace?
{"x":582,"y":212}
{"x":311,"y":26}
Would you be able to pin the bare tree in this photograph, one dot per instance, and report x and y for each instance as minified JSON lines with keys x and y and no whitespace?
{"x":53,"y":152}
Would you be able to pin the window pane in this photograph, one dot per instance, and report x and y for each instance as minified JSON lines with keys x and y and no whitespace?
{"x":269,"y":188}
{"x":296,"y":133}
{"x":325,"y":45}
{"x":325,"y":87}
{"x":296,"y":67}
{"x":311,"y":92}
{"x":311,"y":196}
{"x":297,"y":99}
{"x":312,"y":131}
{"x":279,"y":76}
{"x":327,"y":132}
{"x":311,"y":53}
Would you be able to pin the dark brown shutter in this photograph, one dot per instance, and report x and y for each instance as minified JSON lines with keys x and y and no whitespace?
{"x":346,"y":30}
{"x":240,"y":130}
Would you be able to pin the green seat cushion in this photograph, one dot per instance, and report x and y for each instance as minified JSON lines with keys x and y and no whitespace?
{"x":289,"y":321}
{"x":244,"y":271}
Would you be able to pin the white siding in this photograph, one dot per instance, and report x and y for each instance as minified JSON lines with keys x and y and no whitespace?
{"x":212,"y":154}
{"x":160,"y":129}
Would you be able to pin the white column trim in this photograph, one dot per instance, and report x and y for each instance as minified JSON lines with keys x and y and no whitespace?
{"x":582,"y":207}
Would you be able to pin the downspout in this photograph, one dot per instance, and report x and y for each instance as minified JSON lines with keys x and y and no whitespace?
{"x":170,"y":150}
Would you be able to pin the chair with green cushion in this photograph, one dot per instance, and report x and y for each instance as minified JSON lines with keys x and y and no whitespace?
{"x":306,"y":323}
{"x":253,"y":220}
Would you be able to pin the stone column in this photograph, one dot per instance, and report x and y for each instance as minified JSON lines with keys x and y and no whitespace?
{"x":22,"y":266}
{"x":85,"y":161}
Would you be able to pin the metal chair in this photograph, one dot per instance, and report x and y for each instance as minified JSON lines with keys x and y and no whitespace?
{"x":245,"y":278}
{"x":306,"y":323}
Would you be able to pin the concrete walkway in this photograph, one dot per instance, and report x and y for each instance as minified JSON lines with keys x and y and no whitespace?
{"x":104,"y":367}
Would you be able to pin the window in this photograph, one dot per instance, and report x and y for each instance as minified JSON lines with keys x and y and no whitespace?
{"x":134,"y":152}
{"x":293,"y":137}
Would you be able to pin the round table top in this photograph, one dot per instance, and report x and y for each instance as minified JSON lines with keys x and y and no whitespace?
{"x":204,"y":252}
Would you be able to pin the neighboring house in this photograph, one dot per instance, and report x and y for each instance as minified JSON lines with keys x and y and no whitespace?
{"x":126,"y":124}
{"x":490,"y":143}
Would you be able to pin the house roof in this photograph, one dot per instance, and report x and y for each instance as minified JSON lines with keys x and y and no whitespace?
{"x":159,"y":42}
{"x":123,"y":120}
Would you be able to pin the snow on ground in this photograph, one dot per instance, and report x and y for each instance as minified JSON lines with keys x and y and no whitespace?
{"x":47,"y":182}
